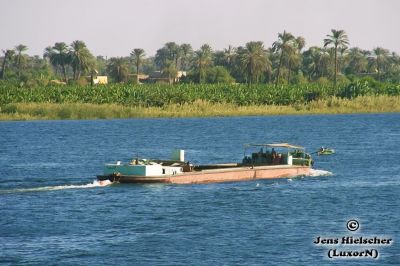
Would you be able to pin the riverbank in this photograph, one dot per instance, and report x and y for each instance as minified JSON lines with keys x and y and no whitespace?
{"x":199,"y":108}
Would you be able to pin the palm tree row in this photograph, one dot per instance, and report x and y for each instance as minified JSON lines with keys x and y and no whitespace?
{"x":77,"y":56}
{"x":286,"y":61}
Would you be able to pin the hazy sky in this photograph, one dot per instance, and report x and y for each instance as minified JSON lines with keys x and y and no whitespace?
{"x":114,"y":28}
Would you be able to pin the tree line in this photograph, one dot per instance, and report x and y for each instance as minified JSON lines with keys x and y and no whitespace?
{"x":285,"y":62}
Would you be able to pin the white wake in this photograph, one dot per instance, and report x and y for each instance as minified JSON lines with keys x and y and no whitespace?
{"x":318,"y":172}
{"x":94,"y":184}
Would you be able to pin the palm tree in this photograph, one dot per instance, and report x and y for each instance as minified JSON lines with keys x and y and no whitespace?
{"x":316,"y":62}
{"x":269,"y":70}
{"x":229,"y":56}
{"x":171,"y":71}
{"x":8,"y":54}
{"x":284,"y":45}
{"x":294,"y":55}
{"x":118,"y":69}
{"x":394,"y":68}
{"x":301,"y":42}
{"x":138,"y":56}
{"x":81,"y":58}
{"x":174,"y":52}
{"x":342,"y":58}
{"x":58,"y":56}
{"x":325,"y":62}
{"x":253,"y":60}
{"x":357,"y":61}
{"x":20,"y":49}
{"x":203,"y":60}
{"x":225,"y":57}
{"x":161,"y":57}
{"x":338,"y":39}
{"x":47,"y":54}
{"x":186,"y":54}
{"x":311,"y":62}
{"x":381,"y":58}
{"x":48,"y":51}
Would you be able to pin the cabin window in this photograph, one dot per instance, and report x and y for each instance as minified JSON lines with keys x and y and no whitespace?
{"x":163,"y":171}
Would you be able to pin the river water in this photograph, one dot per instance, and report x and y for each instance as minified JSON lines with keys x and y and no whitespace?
{"x":53,"y":212}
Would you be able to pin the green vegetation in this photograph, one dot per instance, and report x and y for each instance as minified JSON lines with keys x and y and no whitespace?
{"x":181,"y":81}
{"x":125,"y":101}
{"x":159,"y":95}
{"x":199,"y":108}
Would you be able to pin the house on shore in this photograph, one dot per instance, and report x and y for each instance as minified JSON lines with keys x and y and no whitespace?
{"x":160,"y":77}
{"x":96,"y":79}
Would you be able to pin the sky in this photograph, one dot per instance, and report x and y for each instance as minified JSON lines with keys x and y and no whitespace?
{"x":116,"y":27}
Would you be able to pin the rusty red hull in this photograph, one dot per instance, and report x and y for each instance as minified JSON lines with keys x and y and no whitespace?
{"x":219,"y":175}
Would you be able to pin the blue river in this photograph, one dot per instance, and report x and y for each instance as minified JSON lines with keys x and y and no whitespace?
{"x":53,"y":212}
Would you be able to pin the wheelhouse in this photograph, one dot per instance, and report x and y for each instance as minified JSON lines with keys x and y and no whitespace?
{"x":275,"y":154}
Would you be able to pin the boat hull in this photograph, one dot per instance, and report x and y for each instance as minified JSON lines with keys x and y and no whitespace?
{"x":217,"y":175}
{"x":327,"y":152}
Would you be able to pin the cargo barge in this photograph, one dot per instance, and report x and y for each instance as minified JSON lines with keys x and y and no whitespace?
{"x":278,"y":160}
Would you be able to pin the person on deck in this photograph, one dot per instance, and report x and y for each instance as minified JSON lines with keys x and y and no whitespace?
{"x":273,"y":153}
